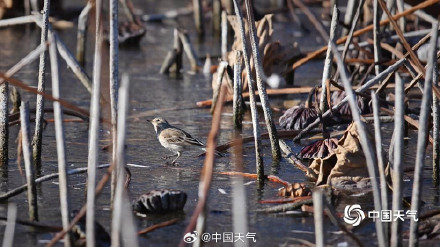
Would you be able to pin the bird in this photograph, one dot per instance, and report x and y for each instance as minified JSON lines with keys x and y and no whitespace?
{"x":174,"y":139}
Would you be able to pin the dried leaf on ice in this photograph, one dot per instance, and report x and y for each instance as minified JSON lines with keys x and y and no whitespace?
{"x":347,"y":166}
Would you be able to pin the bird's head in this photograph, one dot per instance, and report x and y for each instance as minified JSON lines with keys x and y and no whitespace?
{"x":159,"y":123}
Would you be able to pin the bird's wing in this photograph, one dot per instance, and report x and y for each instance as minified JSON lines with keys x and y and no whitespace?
{"x":178,"y":136}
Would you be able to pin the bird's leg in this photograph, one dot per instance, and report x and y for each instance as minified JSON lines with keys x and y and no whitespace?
{"x":178,"y":156}
{"x":169,"y":156}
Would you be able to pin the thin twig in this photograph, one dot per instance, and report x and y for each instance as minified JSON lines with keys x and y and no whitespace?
{"x":238,"y":89}
{"x":157,"y":226}
{"x":39,"y":180}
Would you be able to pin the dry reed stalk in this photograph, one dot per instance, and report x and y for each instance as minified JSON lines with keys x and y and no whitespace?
{"x":198,"y":218}
{"x":60,"y":141}
{"x":39,"y":114}
{"x":114,"y":84}
{"x":318,"y":215}
{"x":254,"y":113}
{"x":27,"y":157}
{"x":425,"y":113}
{"x":327,"y":71}
{"x":122,"y":221}
{"x":198,"y":17}
{"x":81,"y":34}
{"x":94,"y":130}
{"x":260,"y":76}
{"x":238,"y":97}
{"x":367,"y":148}
{"x":8,"y":237}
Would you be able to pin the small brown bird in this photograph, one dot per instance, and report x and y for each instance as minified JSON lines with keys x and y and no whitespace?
{"x":174,"y":139}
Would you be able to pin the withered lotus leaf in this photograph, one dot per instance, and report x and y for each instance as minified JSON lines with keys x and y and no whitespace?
{"x":347,"y":167}
{"x":345,"y":111}
{"x":298,"y":117}
{"x":160,"y":201}
{"x":319,"y":149}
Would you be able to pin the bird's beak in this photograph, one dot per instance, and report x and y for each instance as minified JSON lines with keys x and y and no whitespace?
{"x":148,"y":120}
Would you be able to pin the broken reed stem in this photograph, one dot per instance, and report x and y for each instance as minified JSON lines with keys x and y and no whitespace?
{"x":4,"y":124}
{"x":254,"y":113}
{"x":436,"y":128}
{"x":114,"y":81}
{"x":94,"y":130}
{"x":122,"y":221}
{"x":189,"y":50}
{"x":39,"y":180}
{"x":380,"y":159}
{"x":199,"y":217}
{"x":259,"y":74}
{"x":216,"y":17}
{"x":34,"y":5}
{"x":219,"y":83}
{"x":198,"y":17}
{"x":365,"y":143}
{"x":178,"y":47}
{"x":359,"y":32}
{"x":81,"y":34}
{"x":60,"y":141}
{"x":397,"y":163}
{"x":353,"y":27}
{"x":318,"y":215}
{"x":376,"y":36}
{"x":27,"y":157}
{"x":224,"y":35}
{"x":8,"y":237}
{"x":238,"y":90}
{"x":17,"y":21}
{"x":349,"y":14}
{"x":327,"y":71}
{"x":73,"y":64}
{"x":38,"y":134}
{"x":361,"y":89}
{"x":170,"y":14}
{"x":425,"y":113}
